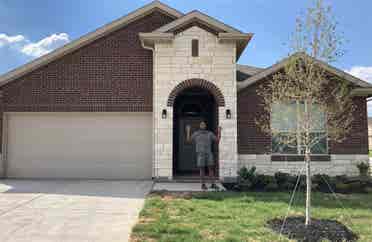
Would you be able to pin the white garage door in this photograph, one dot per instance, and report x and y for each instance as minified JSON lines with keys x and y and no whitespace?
{"x":79,"y":145}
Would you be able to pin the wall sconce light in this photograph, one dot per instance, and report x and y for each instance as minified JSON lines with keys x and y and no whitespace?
{"x":164,"y":114}
{"x":228,"y":113}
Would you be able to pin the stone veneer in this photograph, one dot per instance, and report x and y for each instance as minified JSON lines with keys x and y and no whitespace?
{"x":339,"y":165}
{"x":174,"y":64}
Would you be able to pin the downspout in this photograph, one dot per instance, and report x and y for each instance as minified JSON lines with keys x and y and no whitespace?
{"x":154,"y":170}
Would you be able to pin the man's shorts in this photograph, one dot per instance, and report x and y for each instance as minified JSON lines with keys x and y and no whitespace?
{"x":204,"y":159}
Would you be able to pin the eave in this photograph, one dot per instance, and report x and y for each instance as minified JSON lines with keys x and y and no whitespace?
{"x":362,"y":92}
{"x":148,"y":40}
{"x":89,"y":38}
{"x":241,"y":40}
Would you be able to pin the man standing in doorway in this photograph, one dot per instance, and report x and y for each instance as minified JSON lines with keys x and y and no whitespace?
{"x":203,"y":140}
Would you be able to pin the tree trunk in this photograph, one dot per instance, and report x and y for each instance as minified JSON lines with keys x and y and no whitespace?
{"x":308,"y":189}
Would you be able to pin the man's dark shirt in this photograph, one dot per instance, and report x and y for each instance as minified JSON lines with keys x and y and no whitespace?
{"x":203,"y":140}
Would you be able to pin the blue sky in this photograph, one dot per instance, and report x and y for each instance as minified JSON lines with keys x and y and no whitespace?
{"x":29,"y":29}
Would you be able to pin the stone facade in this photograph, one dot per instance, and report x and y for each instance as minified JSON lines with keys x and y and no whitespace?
{"x":173,"y":64}
{"x":338,"y":165}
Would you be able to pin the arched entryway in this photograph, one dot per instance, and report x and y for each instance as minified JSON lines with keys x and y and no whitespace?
{"x":191,"y":106}
{"x":193,"y":101}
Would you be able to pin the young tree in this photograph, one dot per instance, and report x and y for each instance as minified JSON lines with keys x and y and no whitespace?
{"x":306,"y":105}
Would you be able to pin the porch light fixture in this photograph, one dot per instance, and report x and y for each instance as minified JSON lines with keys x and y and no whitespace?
{"x":164,"y":114}
{"x":228,"y":113}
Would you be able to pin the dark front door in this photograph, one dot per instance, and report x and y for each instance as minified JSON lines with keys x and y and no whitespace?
{"x":191,"y":107}
{"x":186,"y":150}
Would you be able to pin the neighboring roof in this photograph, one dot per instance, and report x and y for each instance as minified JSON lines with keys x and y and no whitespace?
{"x":244,"y":71}
{"x":196,"y":16}
{"x":249,"y":70}
{"x":88,"y":38}
{"x":280,"y":65}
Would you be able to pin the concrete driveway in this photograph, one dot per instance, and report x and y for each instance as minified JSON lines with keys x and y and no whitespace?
{"x":32,"y":210}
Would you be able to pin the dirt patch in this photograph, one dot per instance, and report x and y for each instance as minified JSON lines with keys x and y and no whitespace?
{"x":166,"y":195}
{"x":141,"y":239}
{"x":319,"y":230}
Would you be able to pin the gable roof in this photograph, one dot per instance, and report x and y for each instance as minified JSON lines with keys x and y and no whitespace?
{"x":224,"y":32}
{"x":280,"y":65}
{"x":244,"y":71}
{"x":88,"y":38}
{"x":196,"y":16}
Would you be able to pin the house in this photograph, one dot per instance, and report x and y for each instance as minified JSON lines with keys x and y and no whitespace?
{"x":118,"y":103}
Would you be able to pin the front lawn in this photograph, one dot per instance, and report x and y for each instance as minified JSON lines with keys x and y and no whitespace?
{"x":230,"y":216}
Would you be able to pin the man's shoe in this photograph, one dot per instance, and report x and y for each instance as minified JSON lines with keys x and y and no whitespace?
{"x":204,"y":187}
{"x":214,"y":186}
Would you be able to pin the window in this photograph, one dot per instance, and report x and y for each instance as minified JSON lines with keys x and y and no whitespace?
{"x":195,"y":48}
{"x":287,"y":122}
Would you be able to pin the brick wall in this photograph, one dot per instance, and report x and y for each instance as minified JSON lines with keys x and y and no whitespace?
{"x":114,"y":73}
{"x":356,"y":141}
{"x":253,"y":141}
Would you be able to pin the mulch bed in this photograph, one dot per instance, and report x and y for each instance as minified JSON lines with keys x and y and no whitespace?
{"x":319,"y":230}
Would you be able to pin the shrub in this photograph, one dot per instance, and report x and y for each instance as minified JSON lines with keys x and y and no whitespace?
{"x":249,"y":180}
{"x":363,"y":168}
{"x":342,"y":178}
{"x":368,"y":189}
{"x":352,"y":187}
{"x":342,"y":187}
{"x":271,"y":187}
{"x":264,"y":180}
{"x":321,"y":181}
{"x":302,"y":182}
{"x":281,"y":178}
{"x":246,"y":178}
{"x":245,"y":174}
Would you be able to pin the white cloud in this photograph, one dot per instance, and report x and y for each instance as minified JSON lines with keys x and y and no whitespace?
{"x":45,"y":45}
{"x":364,"y":73}
{"x":6,"y":40}
{"x":34,"y":49}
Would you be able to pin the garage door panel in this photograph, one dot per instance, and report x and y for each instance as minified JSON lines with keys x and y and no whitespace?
{"x":79,"y":145}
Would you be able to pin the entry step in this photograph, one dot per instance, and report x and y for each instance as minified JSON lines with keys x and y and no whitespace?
{"x":184,"y":187}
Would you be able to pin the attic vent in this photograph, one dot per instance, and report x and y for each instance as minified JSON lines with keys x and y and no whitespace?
{"x":195,"y":48}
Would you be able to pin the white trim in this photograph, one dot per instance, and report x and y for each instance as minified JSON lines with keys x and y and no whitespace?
{"x":339,"y":164}
{"x":88,"y":38}
{"x":148,"y":40}
{"x":202,"y":18}
{"x":226,"y":32}
{"x":234,"y":36}
{"x":362,"y":92}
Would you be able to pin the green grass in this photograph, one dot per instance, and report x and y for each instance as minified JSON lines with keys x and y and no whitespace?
{"x":370,"y":153}
{"x":228,"y":216}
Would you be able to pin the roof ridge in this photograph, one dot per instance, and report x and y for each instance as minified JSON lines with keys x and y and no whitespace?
{"x":279,"y":65}
{"x":188,"y":17}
